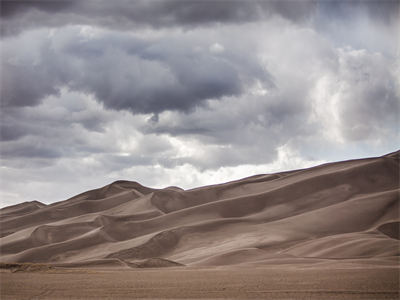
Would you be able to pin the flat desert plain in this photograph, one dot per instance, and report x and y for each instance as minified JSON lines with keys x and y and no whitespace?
{"x":327,"y":232}
{"x":284,"y":282}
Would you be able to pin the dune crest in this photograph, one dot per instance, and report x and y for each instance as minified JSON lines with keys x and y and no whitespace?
{"x":338,"y":211}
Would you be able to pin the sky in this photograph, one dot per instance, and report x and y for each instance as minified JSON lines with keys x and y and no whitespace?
{"x":190,"y":93}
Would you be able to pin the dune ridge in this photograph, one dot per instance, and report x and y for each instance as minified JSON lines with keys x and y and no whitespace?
{"x":345,"y":211}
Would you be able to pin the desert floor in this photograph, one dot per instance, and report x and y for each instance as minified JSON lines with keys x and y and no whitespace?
{"x":211,"y":283}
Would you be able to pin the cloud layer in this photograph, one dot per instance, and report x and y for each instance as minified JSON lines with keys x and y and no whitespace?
{"x":124,"y":15}
{"x":190,"y":93}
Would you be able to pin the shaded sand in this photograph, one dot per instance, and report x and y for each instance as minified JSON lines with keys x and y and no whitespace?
{"x":331,"y":231}
{"x":344,"y":210}
{"x":185,"y":283}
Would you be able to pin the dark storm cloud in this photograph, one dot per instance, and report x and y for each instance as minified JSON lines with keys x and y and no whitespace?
{"x":125,"y":72}
{"x":11,"y":8}
{"x":123,"y":14}
{"x":21,"y":15}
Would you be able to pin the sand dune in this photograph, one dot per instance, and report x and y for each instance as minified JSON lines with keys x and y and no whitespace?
{"x":347,"y":211}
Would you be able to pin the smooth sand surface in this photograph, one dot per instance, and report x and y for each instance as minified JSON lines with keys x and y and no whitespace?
{"x":346,"y":213}
{"x":232,"y":283}
{"x":344,"y":210}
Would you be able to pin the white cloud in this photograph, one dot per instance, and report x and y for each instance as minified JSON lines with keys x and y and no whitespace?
{"x":216,"y":48}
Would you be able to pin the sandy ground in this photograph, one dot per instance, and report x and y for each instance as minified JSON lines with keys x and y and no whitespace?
{"x":328,"y":232}
{"x":338,"y":211}
{"x":211,"y":283}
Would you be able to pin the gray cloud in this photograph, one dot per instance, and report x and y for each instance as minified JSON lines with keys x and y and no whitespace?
{"x":125,"y":72}
{"x":29,"y":148}
{"x":11,"y":8}
{"x":369,"y":95}
{"x":37,"y":84}
{"x":73,"y":126}
{"x":123,"y":14}
{"x":236,"y":131}
{"x":64,"y":126}
{"x":20,"y":15}
{"x":374,"y":25}
{"x":384,"y":10}
{"x":189,"y":92}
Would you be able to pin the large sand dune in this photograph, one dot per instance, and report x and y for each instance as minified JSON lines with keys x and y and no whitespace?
{"x":346,"y":211}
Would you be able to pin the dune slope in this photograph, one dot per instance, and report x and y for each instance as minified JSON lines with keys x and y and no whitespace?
{"x":345,"y":211}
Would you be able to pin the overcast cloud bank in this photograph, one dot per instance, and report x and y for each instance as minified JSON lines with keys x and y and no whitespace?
{"x":190,"y":92}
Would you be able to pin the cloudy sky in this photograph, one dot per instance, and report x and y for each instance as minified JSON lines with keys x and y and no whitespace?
{"x":190,"y":93}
